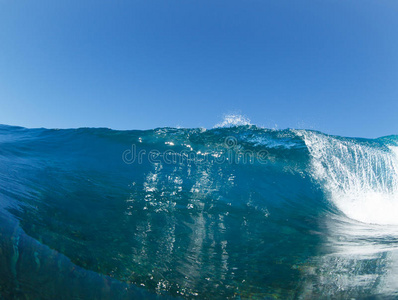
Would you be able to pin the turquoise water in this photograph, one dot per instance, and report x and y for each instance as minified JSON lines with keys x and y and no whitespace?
{"x":238,"y":213}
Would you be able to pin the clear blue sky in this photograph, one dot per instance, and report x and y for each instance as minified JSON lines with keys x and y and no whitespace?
{"x":325,"y":65}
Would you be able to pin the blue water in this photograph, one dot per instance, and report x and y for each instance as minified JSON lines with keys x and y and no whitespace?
{"x":237,"y":212}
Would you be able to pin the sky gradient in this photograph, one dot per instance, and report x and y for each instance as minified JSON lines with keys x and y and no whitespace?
{"x":325,"y":65}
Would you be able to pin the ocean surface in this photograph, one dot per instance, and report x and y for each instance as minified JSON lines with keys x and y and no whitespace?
{"x":233,"y":212}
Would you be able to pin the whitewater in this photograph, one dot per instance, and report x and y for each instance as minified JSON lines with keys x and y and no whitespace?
{"x":233,"y":212}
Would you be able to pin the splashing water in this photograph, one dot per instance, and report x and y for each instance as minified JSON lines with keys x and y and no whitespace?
{"x":233,"y":120}
{"x":361,"y":178}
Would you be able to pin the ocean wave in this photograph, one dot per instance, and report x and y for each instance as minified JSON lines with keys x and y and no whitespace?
{"x":237,"y":211}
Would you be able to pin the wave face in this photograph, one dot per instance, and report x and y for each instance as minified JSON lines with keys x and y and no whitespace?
{"x":240,"y":213}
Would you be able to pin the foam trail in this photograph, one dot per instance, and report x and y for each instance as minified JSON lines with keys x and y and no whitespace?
{"x":361,"y":179}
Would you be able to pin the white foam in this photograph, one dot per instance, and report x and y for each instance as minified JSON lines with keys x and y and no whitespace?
{"x":361,"y":180}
